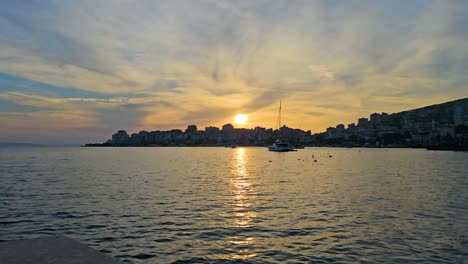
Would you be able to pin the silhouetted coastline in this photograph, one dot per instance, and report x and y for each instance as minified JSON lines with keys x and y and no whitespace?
{"x":437,"y":127}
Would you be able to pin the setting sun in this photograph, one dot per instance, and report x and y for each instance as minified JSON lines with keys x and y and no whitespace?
{"x":241,"y":119}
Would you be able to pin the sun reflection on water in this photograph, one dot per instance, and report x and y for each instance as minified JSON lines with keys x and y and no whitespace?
{"x":243,"y":197}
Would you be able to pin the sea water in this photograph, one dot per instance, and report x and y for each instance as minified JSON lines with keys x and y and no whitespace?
{"x":242,"y":205}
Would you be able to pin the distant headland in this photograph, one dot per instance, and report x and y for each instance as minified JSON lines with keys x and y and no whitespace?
{"x":443,"y":126}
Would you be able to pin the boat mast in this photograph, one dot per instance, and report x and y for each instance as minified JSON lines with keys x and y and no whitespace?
{"x":278,"y":123}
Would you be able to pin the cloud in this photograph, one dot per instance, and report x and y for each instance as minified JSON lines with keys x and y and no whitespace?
{"x":9,"y":106}
{"x":322,"y":72}
{"x":313,"y":113}
{"x":14,"y":83}
{"x":162,"y":63}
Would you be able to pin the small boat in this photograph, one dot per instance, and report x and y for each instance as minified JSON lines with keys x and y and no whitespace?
{"x":280,"y":146}
{"x":233,"y":146}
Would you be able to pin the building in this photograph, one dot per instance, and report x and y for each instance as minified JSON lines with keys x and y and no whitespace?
{"x":331,"y":132}
{"x":460,"y":115}
{"x":421,"y":138}
{"x":375,"y":118}
{"x":212,"y":134}
{"x":340,"y":128}
{"x":363,"y":122}
{"x":120,"y":138}
{"x":228,"y":133}
{"x":191,"y":130}
{"x":384,"y":118}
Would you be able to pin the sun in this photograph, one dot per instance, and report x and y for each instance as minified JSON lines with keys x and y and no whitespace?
{"x":241,"y":119}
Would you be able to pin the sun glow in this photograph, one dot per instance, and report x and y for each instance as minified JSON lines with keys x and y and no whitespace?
{"x":241,"y":119}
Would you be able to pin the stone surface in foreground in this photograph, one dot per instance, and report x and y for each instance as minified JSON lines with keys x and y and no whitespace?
{"x":51,"y":250}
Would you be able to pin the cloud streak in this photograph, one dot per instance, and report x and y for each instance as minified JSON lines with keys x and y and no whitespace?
{"x":157,"y":64}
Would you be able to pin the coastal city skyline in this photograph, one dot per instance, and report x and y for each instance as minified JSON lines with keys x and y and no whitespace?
{"x":442,"y":125}
{"x":76,"y":72}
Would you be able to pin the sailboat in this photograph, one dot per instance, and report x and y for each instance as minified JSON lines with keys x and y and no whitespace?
{"x":280,"y":145}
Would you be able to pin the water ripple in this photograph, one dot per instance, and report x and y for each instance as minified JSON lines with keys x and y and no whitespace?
{"x":244,"y":205}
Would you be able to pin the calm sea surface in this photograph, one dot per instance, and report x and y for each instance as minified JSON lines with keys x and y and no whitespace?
{"x":243,"y":205}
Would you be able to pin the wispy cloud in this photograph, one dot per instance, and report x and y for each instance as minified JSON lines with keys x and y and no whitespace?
{"x":155,"y":64}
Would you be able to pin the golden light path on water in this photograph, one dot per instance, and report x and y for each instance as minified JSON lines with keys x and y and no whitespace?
{"x":243,"y":196}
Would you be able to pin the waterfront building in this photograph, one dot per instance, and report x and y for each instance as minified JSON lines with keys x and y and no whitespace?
{"x":120,"y":138}
{"x":363,"y":122}
{"x":375,"y":118}
{"x":331,"y":131}
{"x":212,"y":135}
{"x":460,"y":114}
{"x":340,"y":128}
{"x":191,"y":130}
{"x":228,"y":133}
{"x":421,"y":138}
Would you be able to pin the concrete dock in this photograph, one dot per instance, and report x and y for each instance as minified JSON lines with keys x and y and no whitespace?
{"x":51,"y":250}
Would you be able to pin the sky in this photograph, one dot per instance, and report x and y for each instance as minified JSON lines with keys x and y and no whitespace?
{"x":77,"y":71}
